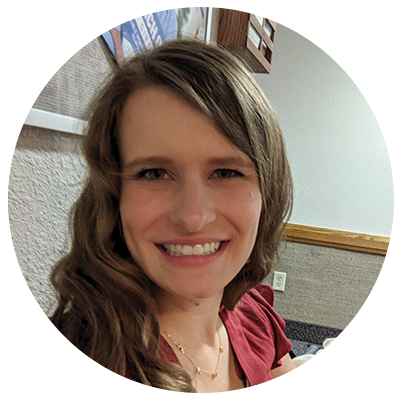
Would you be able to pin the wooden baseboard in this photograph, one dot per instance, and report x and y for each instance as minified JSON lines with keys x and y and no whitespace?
{"x":338,"y":239}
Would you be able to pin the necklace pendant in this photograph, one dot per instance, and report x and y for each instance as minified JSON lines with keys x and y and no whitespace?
{"x":221,"y":350}
{"x":198,"y":371}
{"x":181,"y":348}
{"x":214,"y":374}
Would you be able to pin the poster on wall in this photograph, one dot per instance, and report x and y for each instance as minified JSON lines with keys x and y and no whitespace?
{"x":148,"y":31}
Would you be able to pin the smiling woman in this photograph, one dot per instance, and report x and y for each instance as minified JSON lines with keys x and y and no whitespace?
{"x":179,"y":223}
{"x":178,"y":195}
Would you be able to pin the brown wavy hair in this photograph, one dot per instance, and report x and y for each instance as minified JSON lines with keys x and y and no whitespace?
{"x":105,"y":305}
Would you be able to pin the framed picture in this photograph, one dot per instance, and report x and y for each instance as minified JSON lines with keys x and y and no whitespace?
{"x":131,"y":30}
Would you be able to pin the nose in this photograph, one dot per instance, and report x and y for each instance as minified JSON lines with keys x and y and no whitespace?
{"x":303,"y":387}
{"x":193,"y":206}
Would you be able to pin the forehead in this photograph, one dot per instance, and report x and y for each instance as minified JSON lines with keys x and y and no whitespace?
{"x":157,"y":111}
{"x":156,"y":122}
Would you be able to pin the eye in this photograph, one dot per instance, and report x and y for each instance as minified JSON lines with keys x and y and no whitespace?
{"x":225,"y":173}
{"x":152,"y":174}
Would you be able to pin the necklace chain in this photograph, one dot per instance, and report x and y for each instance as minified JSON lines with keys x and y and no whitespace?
{"x":198,"y":370}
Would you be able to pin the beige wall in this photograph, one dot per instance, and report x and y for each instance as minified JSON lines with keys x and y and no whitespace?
{"x":324,"y":286}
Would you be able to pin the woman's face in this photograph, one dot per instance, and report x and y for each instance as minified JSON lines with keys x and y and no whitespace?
{"x":190,"y":200}
{"x":327,"y":376}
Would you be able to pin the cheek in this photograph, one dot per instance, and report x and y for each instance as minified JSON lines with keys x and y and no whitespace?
{"x":250,"y":204}
{"x":127,"y":209}
{"x":138,"y":211}
{"x":254,"y":199}
{"x":243,"y":209}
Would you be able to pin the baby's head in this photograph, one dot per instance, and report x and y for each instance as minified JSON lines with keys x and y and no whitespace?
{"x":335,"y":369}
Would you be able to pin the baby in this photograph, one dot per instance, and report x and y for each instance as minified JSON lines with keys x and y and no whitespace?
{"x":336,"y":368}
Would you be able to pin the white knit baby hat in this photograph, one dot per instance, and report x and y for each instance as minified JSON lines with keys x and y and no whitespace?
{"x":342,"y":349}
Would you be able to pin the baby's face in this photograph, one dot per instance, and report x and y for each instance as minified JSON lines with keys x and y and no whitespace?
{"x":327,"y":376}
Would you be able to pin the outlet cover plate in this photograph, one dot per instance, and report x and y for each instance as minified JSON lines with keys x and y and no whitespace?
{"x":279,"y":281}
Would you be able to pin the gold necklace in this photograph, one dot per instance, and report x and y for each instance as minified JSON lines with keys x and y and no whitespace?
{"x":198,"y":370}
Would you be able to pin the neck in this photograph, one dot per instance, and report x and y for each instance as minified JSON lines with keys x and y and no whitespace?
{"x":189,"y":320}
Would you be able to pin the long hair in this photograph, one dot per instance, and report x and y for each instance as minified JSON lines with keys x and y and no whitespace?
{"x":105,"y":304}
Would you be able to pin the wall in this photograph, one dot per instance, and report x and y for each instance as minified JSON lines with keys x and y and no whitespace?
{"x":48,"y":171}
{"x":55,"y":58}
{"x":337,"y":152}
{"x":342,"y":180}
{"x":46,"y":177}
{"x":324,"y":286}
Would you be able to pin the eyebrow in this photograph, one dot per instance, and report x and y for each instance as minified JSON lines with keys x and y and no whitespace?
{"x":148,"y":161}
{"x":165,"y":161}
{"x":237,"y":161}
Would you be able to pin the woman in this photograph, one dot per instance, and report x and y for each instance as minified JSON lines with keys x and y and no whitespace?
{"x":178,"y":224}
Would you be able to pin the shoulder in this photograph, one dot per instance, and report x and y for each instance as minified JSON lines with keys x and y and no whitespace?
{"x":257,"y":304}
{"x":255,"y":314}
{"x":260,"y":296}
{"x":257,"y":334}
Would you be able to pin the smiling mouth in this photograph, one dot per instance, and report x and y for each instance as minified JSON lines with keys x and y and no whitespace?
{"x":179,"y":250}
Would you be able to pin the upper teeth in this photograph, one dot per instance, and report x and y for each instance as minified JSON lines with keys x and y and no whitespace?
{"x":186,"y":250}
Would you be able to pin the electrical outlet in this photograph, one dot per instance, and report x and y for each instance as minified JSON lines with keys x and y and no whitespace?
{"x":279,"y":281}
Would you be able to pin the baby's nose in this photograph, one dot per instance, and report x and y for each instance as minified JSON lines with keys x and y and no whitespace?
{"x":303,"y":387}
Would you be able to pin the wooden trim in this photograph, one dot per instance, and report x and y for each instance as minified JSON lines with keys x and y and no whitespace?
{"x":257,"y":54}
{"x":338,"y":239}
{"x":233,"y":34}
{"x":269,"y":17}
{"x":260,"y":30}
{"x":232,"y":28}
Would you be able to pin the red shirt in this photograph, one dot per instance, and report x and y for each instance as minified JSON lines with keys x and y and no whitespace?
{"x":256,"y":335}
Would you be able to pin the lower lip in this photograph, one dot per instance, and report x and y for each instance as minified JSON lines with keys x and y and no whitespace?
{"x":193,"y":261}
